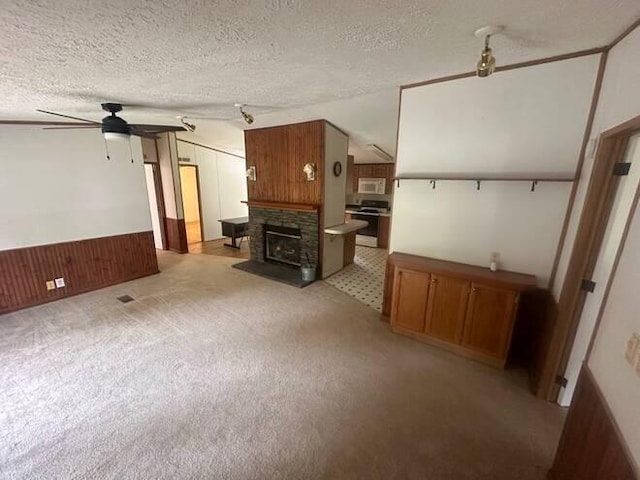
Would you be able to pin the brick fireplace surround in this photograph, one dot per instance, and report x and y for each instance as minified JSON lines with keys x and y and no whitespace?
{"x":307,"y":222}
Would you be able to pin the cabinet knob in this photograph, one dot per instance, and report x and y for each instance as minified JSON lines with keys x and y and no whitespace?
{"x":474,"y":289}
{"x":433,"y":280}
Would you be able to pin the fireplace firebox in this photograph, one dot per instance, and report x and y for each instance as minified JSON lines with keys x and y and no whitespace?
{"x":282,"y":245}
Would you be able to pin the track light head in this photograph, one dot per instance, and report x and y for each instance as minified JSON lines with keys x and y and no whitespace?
{"x":487,"y":63}
{"x":247,"y":116}
{"x":189,"y":126}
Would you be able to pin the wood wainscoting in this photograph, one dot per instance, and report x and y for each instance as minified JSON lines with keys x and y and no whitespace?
{"x":591,"y":447}
{"x":85,"y":265}
{"x":176,"y":235}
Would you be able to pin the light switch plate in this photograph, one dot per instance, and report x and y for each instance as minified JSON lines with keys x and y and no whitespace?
{"x":50,"y":285}
{"x":60,"y":282}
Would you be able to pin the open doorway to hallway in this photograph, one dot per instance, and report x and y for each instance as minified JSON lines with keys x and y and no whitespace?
{"x":190,"y":186}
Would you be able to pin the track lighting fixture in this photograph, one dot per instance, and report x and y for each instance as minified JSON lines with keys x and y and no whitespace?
{"x":189,"y":126}
{"x":487,"y":63}
{"x":247,"y":116}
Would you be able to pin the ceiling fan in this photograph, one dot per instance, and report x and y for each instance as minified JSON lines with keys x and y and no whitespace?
{"x":116,"y":128}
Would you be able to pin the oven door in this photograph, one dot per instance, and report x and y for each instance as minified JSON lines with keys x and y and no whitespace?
{"x":367,"y":236}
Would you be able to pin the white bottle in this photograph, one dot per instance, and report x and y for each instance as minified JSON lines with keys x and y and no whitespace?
{"x":493,"y":266}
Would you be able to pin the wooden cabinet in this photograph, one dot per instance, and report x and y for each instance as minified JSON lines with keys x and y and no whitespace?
{"x":384,"y":224}
{"x":410,"y":303}
{"x":447,"y":307}
{"x":467,"y":309}
{"x":489,"y":320}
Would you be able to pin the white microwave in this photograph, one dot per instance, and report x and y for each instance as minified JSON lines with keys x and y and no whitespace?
{"x":372,"y":185}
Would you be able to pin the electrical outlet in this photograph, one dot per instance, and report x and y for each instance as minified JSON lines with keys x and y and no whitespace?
{"x":633,"y":348}
{"x":50,"y":285}
{"x":60,"y":282}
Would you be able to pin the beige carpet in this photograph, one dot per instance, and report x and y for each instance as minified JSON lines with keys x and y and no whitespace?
{"x":214,"y":373}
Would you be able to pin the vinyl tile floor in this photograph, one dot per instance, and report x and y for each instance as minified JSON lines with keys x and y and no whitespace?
{"x":363,"y":279}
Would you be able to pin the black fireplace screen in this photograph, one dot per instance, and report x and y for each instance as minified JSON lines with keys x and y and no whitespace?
{"x":282,"y":245}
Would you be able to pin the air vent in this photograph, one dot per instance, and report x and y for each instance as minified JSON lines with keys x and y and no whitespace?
{"x":184,"y":159}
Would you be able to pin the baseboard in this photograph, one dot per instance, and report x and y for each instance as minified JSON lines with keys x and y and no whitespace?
{"x":86,"y":265}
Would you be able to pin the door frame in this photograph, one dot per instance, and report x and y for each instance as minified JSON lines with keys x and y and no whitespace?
{"x":180,"y":165}
{"x":157,"y":183}
{"x":594,"y":220}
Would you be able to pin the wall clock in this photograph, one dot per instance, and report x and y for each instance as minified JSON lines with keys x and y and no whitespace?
{"x":337,"y":169}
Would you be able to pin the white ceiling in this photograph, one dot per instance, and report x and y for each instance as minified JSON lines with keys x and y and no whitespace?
{"x":290,"y":59}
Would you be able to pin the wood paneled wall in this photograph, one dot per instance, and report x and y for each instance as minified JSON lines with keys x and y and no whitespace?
{"x":279,"y":155}
{"x":85,"y":265}
{"x":591,"y":447}
{"x":176,"y":235}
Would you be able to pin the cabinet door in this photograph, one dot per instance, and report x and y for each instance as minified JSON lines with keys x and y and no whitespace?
{"x":365,"y":171}
{"x":383,"y":231}
{"x":447,"y":306}
{"x":410,"y":293}
{"x":489,"y":321}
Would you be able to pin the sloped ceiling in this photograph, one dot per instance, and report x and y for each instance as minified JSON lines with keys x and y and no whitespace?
{"x":290,"y":59}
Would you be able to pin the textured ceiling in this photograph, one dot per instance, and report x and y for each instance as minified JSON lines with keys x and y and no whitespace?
{"x":198,"y":58}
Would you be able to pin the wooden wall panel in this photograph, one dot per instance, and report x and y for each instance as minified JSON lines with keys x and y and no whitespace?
{"x":591,"y":447}
{"x":85,"y":265}
{"x":176,"y":235}
{"x":279,"y":155}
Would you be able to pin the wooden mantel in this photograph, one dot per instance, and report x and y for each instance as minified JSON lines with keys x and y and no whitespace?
{"x":296,"y":207}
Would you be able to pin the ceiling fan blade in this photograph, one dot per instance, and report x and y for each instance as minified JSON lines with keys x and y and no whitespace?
{"x":77,"y":127}
{"x":68,"y":116}
{"x":156,"y":128}
{"x":138,"y":133}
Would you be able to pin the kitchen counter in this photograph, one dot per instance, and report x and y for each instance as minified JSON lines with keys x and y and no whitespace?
{"x":343,"y":229}
{"x":356,"y":212}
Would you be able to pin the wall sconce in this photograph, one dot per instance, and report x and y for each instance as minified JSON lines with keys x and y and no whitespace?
{"x":251,"y":173}
{"x":310,"y":171}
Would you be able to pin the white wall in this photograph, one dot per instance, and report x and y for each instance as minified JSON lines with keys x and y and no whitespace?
{"x":520,"y":122}
{"x":335,"y":188}
{"x":613,"y":235}
{"x":170,"y":175}
{"x":222,"y":186}
{"x":153,"y":205}
{"x":57,"y":186}
{"x":619,"y":101}
{"x":617,"y":379}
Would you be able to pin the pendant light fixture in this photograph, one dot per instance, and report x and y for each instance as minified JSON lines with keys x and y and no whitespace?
{"x":487,"y":63}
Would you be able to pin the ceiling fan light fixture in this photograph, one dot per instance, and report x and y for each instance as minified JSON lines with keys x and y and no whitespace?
{"x":118,"y":136}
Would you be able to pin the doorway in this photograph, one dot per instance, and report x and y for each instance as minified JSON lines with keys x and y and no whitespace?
{"x":589,"y":269}
{"x":151,"y":176}
{"x":190,"y":186}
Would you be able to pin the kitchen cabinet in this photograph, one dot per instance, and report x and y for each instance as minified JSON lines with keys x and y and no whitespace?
{"x":463,"y":308}
{"x":384,"y":224}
